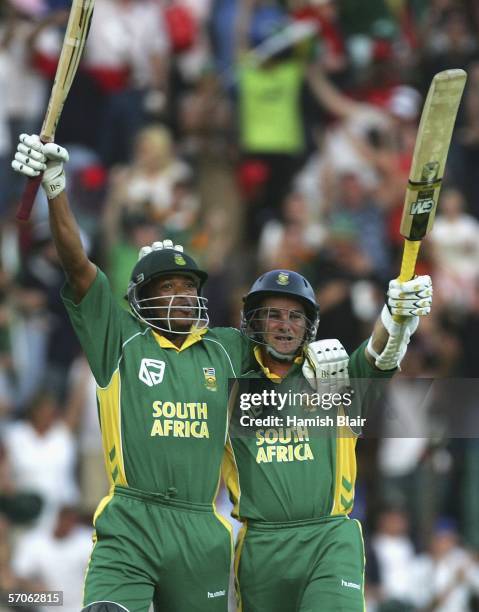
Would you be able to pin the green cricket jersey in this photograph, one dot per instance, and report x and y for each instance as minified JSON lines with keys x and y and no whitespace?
{"x":284,"y":473}
{"x":162,"y":410}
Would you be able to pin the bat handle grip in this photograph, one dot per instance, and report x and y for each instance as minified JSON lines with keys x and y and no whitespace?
{"x":408,"y":266}
{"x":26,"y":203}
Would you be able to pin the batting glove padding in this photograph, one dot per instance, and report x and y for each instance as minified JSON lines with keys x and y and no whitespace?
{"x":326,"y":366}
{"x":412,"y":298}
{"x":33,"y":157}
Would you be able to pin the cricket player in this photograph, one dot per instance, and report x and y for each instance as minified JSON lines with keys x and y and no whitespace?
{"x":162,"y":379}
{"x":293,"y":484}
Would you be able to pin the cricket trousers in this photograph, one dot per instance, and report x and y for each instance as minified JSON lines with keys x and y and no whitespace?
{"x":149,"y":547}
{"x":301,"y":566}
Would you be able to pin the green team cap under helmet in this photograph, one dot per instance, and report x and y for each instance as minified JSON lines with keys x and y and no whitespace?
{"x":161,"y":259}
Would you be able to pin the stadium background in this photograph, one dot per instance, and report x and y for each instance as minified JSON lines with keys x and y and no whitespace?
{"x":168,"y":132}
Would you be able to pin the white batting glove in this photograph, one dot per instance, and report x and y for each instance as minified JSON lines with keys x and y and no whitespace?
{"x":412,"y":298}
{"x":33,"y":157}
{"x":326,"y":366}
{"x":159,"y":246}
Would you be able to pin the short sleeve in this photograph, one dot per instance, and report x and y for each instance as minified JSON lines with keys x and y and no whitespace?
{"x":102,"y":326}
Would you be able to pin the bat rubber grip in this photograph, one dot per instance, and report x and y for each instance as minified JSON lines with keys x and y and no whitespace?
{"x":28,"y":198}
{"x":408,"y":266}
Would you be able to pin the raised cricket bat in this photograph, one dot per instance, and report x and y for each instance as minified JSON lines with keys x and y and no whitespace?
{"x":429,"y":160}
{"x":76,"y":33}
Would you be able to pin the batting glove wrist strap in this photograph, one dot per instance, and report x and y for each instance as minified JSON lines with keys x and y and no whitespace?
{"x":33,"y":157}
{"x":396,"y":346}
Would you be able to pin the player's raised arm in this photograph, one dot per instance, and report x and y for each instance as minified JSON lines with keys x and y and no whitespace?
{"x":32,"y":158}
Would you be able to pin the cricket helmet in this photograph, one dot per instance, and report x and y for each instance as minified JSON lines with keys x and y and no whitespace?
{"x":161,"y":259}
{"x":280,"y":283}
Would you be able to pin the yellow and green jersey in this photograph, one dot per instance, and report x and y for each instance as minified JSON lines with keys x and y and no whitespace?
{"x":162,"y":409}
{"x":278,"y":472}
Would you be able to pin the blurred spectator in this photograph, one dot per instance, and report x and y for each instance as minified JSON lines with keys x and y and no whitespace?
{"x":468,"y":140}
{"x":469,"y":337}
{"x":205,"y":120}
{"x":55,"y":560}
{"x":450,"y":41}
{"x":147,"y":186}
{"x":292,"y":242}
{"x":8,"y":582}
{"x":354,"y":204}
{"x":269,"y":97}
{"x":31,"y":42}
{"x":41,"y":455}
{"x":376,"y":15}
{"x":446,"y":577}
{"x":334,"y":272}
{"x":455,"y":241}
{"x":18,"y":505}
{"x":374,"y":141}
{"x":334,"y":57}
{"x":135,"y":231}
{"x":223,"y":24}
{"x":4,"y":131}
{"x":126,"y":54}
{"x":6,"y":362}
{"x":402,"y":454}
{"x":186,"y":23}
{"x":50,"y":345}
{"x":414,"y":459}
{"x":213,"y":245}
{"x":394,"y":552}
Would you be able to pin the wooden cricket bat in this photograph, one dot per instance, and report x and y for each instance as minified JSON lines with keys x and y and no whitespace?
{"x":76,"y":33}
{"x":429,"y":160}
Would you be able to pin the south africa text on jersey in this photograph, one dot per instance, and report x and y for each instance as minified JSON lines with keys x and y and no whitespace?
{"x":283,"y":444}
{"x":180,"y":419}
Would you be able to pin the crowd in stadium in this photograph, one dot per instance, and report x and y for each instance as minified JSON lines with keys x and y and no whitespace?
{"x":168,"y":133}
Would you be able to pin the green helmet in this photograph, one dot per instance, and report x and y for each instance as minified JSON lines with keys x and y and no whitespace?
{"x":158,"y":261}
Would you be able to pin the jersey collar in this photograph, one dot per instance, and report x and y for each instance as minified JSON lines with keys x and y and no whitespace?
{"x":192,"y":338}
{"x":266,"y":371}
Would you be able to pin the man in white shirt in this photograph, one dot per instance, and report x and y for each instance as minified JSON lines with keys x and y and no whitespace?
{"x":56,"y":560}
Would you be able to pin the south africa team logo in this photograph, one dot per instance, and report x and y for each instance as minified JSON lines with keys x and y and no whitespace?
{"x":283,"y":279}
{"x":180,"y":260}
{"x":210,"y":378}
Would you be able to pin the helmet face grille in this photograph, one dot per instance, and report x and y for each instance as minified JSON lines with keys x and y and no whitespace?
{"x":157,"y":312}
{"x":297,"y":329}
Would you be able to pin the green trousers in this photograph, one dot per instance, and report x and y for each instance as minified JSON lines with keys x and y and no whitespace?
{"x":152,"y":548}
{"x":305,"y":566}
